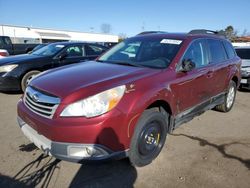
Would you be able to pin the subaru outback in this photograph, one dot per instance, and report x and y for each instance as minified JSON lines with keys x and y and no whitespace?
{"x":126,"y":102}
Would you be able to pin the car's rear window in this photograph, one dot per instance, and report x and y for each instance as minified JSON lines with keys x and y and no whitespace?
{"x":243,"y":53}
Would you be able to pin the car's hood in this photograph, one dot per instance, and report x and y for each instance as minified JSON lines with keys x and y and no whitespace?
{"x":245,"y":63}
{"x":19,"y":58}
{"x":88,"y":78}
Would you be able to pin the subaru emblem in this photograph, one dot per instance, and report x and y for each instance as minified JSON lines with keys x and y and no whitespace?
{"x":35,"y":97}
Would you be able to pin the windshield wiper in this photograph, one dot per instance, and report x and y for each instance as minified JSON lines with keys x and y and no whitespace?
{"x":121,"y":63}
{"x":127,"y":63}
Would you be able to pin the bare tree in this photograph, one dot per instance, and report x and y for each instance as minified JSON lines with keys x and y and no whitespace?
{"x":106,"y":28}
{"x":245,"y":33}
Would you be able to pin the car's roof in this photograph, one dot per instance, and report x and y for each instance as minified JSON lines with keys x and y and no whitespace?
{"x":73,"y":43}
{"x":180,"y":36}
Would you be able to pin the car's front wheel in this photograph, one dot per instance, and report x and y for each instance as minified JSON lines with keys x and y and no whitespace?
{"x":27,"y":78}
{"x":229,"y":99}
{"x":149,"y":138}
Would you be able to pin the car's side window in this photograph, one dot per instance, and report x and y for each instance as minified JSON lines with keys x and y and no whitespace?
{"x":7,"y":41}
{"x":217,"y":51}
{"x":74,"y":51}
{"x":197,"y":53}
{"x":92,"y":50}
{"x":229,"y":49}
{"x":1,"y":42}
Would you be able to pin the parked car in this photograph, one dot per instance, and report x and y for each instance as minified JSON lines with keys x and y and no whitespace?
{"x":15,"y":49}
{"x":244,"y":54}
{"x":3,"y":53}
{"x":17,"y":71}
{"x":123,"y":105}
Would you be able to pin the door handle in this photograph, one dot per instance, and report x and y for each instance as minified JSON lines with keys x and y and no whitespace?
{"x":210,"y":74}
{"x":229,"y":66}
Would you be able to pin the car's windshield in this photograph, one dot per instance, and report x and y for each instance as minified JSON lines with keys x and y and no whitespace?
{"x":153,"y":53}
{"x":48,"y":50}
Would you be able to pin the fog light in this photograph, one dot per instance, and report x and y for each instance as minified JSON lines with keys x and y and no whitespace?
{"x":78,"y":152}
{"x":86,"y":151}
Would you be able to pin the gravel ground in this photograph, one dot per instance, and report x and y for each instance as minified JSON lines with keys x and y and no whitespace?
{"x":213,"y":150}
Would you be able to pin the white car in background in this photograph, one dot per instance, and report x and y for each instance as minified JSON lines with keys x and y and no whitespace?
{"x":244,"y":53}
{"x":3,"y":53}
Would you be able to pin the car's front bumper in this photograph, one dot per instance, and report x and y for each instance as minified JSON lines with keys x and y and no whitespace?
{"x":245,"y":82}
{"x":73,"y":152}
{"x":9,"y":83}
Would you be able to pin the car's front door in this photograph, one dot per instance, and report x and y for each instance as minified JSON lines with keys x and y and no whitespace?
{"x":193,"y":87}
{"x":5,"y":43}
{"x":71,"y":54}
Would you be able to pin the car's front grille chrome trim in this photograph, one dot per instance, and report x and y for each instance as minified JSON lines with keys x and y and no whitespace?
{"x":40,"y":103}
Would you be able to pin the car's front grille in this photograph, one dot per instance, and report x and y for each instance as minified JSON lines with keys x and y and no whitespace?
{"x":40,"y":103}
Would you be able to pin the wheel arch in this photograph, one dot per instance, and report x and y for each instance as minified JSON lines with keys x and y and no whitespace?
{"x":236,"y":80}
{"x":161,"y":104}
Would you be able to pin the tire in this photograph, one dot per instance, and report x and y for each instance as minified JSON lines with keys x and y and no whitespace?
{"x":229,"y":99}
{"x":27,"y":78}
{"x":149,"y":138}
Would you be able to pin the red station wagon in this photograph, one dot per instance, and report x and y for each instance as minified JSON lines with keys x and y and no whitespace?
{"x":126,"y":102}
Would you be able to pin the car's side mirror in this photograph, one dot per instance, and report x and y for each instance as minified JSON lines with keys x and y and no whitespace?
{"x":187,"y":65}
{"x":62,"y":56}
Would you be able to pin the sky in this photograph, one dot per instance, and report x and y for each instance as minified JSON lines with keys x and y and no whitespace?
{"x":129,"y":17}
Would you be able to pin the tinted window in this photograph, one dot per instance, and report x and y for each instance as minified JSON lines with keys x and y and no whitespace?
{"x":243,"y":53}
{"x":49,"y":50}
{"x":197,"y":53}
{"x":217,"y":51}
{"x":1,"y":41}
{"x":74,"y":51}
{"x":93,"y":50}
{"x":229,"y":49}
{"x":7,"y":41}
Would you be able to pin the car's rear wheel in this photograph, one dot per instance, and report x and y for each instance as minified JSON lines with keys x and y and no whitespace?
{"x":27,"y":78}
{"x":149,"y":138}
{"x":229,"y":99}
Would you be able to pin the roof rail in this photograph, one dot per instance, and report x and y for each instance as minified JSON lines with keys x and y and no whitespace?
{"x":204,"y":31}
{"x":150,"y":32}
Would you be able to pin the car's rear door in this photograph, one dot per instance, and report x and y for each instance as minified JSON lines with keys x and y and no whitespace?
{"x":92,"y":51}
{"x":220,"y":65}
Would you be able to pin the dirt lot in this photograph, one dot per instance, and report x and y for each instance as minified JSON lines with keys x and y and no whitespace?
{"x":213,"y":150}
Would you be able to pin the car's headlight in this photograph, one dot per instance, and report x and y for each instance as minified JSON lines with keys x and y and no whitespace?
{"x":7,"y":68}
{"x":95,"y":105}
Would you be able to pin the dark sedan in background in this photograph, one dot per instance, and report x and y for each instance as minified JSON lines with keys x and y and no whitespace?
{"x":17,"y":71}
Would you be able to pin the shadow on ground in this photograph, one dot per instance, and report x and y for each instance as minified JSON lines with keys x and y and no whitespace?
{"x":38,"y":172}
{"x":244,"y":90}
{"x":221,"y":148}
{"x":12,"y":92}
{"x":44,"y":172}
{"x":111,"y":174}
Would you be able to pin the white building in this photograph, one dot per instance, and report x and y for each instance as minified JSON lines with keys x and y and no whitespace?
{"x":37,"y":35}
